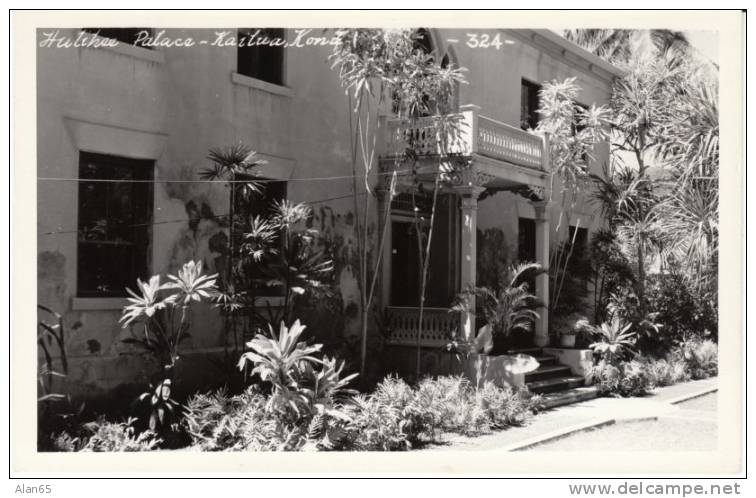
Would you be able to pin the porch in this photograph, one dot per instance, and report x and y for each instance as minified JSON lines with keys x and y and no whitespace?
{"x":485,"y":157}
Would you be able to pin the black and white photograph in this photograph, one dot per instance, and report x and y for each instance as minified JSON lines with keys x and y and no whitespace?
{"x":423,"y":238}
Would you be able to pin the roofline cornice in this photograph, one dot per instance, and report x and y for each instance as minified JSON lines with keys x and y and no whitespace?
{"x":565,"y":50}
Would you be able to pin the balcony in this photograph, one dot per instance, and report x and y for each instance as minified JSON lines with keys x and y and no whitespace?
{"x":436,"y":331}
{"x":481,"y":137}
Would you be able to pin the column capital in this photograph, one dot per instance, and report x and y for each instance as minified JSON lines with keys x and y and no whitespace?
{"x":469,"y":194}
{"x":541,"y":209}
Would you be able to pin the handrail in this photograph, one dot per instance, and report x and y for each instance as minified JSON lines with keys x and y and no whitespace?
{"x":480,"y":135}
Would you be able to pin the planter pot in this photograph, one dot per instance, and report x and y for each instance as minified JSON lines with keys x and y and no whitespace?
{"x":567,"y":341}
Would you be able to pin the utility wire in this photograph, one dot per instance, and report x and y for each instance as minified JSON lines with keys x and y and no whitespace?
{"x":250,"y":180}
{"x":184,"y":220}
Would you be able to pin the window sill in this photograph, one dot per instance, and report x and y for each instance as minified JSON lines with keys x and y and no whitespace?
{"x":240,"y":79}
{"x":135,"y":52}
{"x":98,"y":303}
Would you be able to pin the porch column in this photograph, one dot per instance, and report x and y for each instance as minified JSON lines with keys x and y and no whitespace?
{"x":542,"y":281}
{"x":469,"y":210}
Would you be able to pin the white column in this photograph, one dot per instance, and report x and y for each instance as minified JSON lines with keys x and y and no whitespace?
{"x":542,"y":228}
{"x":468,"y":246}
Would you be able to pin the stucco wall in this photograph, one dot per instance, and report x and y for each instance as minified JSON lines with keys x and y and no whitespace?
{"x":172,"y":105}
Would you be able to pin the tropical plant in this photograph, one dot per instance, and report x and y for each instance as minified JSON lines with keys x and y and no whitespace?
{"x":48,"y":334}
{"x":159,"y":406}
{"x":374,"y":64}
{"x":306,"y":402}
{"x":625,"y":378}
{"x":701,"y":357}
{"x":163,"y":311}
{"x":573,"y":133}
{"x":299,"y":267}
{"x":619,"y":46}
{"x":508,"y":309}
{"x":617,"y":339}
{"x":104,"y":436}
{"x":218,"y":422}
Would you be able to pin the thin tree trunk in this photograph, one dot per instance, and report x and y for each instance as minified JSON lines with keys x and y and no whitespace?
{"x":424,"y":276}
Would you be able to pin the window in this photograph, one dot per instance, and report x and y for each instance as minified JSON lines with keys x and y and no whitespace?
{"x":579,"y":259}
{"x":261,"y":54}
{"x":123,"y":35}
{"x":114,"y":224}
{"x":529,"y":102}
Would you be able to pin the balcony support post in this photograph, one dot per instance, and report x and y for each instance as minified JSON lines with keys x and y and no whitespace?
{"x":469,"y":211}
{"x":542,"y":281}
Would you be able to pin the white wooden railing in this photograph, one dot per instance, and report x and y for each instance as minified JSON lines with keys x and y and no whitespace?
{"x":478,"y":135}
{"x":437,"y":327}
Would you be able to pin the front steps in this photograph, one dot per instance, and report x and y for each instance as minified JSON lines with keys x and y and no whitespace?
{"x":554,"y":380}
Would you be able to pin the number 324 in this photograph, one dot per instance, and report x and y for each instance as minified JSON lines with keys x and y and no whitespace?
{"x":484,"y":40}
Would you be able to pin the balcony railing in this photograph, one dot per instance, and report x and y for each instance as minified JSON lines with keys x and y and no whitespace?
{"x":437,"y":327}
{"x":479,"y":135}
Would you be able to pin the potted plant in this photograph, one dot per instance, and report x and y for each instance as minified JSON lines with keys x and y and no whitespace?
{"x":506,"y":309}
{"x":567,"y":338}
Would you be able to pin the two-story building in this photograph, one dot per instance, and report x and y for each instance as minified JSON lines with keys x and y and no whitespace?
{"x":124,"y":130}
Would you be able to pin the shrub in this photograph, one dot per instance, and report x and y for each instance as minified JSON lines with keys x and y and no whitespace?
{"x":377,"y":426}
{"x":102,"y":435}
{"x":306,"y":407}
{"x":503,"y":406}
{"x":215,"y":421}
{"x":665,"y":372}
{"x":396,"y":416}
{"x":701,"y":357}
{"x":627,"y":378}
{"x":680,"y":307}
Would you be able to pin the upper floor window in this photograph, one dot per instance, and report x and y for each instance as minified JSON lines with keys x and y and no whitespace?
{"x":123,"y":35}
{"x":115,"y":211}
{"x":260,"y":54}
{"x":529,"y":103}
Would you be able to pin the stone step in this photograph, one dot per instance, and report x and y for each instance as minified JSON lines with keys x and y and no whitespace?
{"x":556,"y":384}
{"x":561,"y":398}
{"x":546,"y":361}
{"x":548,"y":372}
{"x":527,"y":351}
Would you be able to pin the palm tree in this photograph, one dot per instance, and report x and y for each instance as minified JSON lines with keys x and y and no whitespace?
{"x":627,"y":200}
{"x":618,"y":46}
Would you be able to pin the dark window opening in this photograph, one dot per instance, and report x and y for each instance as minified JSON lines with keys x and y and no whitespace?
{"x":114,"y":224}
{"x":123,"y":35}
{"x":529,"y":103}
{"x":577,"y":247}
{"x":422,"y":41}
{"x":260,"y":54}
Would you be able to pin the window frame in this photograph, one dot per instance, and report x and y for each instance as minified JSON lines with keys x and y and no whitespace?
{"x":240,"y":32}
{"x":531,"y":85}
{"x":142,"y":169}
